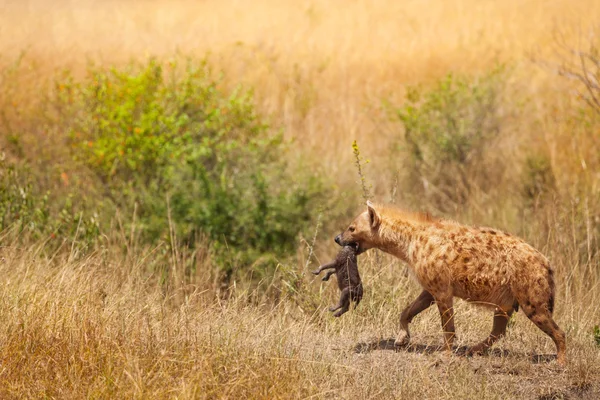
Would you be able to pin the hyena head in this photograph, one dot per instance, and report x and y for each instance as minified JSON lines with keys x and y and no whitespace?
{"x":363,"y":232}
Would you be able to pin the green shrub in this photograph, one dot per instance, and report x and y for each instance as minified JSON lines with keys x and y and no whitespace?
{"x":195,"y":159}
{"x":447,"y":129}
{"x":19,"y":206}
{"x":23,"y":206}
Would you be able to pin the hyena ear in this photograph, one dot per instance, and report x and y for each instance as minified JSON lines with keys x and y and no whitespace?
{"x":374,"y":217}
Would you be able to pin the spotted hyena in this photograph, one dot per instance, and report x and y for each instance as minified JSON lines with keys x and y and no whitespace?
{"x":482,"y":265}
{"x":345,"y":266}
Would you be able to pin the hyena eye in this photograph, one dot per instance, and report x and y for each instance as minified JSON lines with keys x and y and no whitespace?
{"x":351,"y":229}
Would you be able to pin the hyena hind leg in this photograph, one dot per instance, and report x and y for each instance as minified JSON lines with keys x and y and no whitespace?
{"x":541,"y":316}
{"x":501,"y":317}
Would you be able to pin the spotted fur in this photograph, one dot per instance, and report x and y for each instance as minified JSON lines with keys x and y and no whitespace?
{"x":482,"y":265}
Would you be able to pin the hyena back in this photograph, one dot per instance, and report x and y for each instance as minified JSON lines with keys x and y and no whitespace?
{"x":481,"y":265}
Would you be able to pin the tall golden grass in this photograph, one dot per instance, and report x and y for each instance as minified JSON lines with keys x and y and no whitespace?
{"x":98,"y":326}
{"x":102,"y":326}
{"x":319,"y":68}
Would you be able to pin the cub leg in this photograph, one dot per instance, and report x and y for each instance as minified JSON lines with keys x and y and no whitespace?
{"x":324,"y":267}
{"x":328,"y":275}
{"x":344,"y":303}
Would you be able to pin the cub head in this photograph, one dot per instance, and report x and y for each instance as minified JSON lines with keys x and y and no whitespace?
{"x":362,"y":231}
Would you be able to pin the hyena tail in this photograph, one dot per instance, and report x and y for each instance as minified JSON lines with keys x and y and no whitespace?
{"x":552,"y":290}
{"x":536,"y":298}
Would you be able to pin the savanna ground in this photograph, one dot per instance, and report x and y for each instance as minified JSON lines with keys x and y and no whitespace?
{"x":171,"y":171}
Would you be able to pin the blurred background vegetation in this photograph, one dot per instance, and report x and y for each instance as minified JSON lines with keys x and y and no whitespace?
{"x":240,"y":146}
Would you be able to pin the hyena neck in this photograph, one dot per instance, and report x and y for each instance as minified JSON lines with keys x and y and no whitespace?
{"x":395,"y":237}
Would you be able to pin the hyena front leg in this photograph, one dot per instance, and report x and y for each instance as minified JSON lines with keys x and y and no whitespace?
{"x":421,"y":303}
{"x":501,"y":317}
{"x":447,"y":315}
{"x":344,"y":303}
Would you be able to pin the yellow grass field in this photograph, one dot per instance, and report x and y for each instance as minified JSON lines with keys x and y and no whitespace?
{"x":320,"y":68}
{"x":100,"y":325}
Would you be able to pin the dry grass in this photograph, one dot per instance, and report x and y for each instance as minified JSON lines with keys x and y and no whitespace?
{"x":102,"y":326}
{"x":320,"y":68}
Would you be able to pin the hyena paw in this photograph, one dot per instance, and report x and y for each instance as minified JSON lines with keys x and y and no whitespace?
{"x":316,"y":272}
{"x":402,"y":340}
{"x":333,"y":308}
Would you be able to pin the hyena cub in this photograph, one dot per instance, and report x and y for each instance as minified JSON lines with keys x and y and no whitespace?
{"x":345,"y":267}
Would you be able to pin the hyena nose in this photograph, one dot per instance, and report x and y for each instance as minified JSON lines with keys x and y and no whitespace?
{"x":338,"y":239}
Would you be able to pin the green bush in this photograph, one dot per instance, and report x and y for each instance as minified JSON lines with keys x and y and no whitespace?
{"x":26,"y":208}
{"x":19,"y":206}
{"x":447,"y":129}
{"x":195,"y":159}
